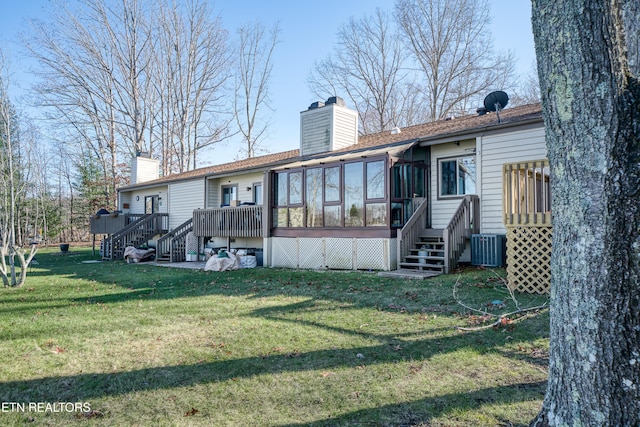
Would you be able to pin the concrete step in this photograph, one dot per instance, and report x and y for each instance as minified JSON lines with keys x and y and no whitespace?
{"x":404,"y":273}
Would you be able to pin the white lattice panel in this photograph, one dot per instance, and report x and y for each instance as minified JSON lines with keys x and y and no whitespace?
{"x":372,"y":254}
{"x":191,"y":244}
{"x":284,"y":252}
{"x":339,"y":253}
{"x":311,"y":252}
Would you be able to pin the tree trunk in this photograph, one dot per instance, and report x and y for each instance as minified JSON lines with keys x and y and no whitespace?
{"x":592,"y":120}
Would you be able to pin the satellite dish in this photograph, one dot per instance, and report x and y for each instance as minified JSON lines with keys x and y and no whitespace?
{"x":496,"y":101}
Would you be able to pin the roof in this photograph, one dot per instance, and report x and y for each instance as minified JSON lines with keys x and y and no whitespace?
{"x":440,"y":129}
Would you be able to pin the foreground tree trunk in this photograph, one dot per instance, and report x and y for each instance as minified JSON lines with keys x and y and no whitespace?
{"x":592,"y":118}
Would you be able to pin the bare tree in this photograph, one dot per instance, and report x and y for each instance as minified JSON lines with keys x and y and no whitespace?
{"x":255,"y":52}
{"x":131,"y":76}
{"x":591,"y":108}
{"x":451,"y":45}
{"x":367,"y":67}
{"x":14,"y":182}
{"x":191,"y":71}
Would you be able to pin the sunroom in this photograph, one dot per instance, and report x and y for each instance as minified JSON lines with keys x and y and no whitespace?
{"x":344,"y":210}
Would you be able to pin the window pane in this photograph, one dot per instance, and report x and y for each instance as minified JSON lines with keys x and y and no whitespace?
{"x":280,"y":217}
{"x":228,"y":194}
{"x":467,"y":175}
{"x":458,"y":177}
{"x":375,"y":180}
{"x":332,"y":216}
{"x":281,"y":189}
{"x":257,"y":194}
{"x":396,"y":214}
{"x":396,"y":191}
{"x":353,"y":195}
{"x":418,"y":186}
{"x":295,"y":188}
{"x":376,"y":214}
{"x":407,"y":190}
{"x":313,"y":197}
{"x":332,"y":184}
{"x":295,"y":217}
{"x":448,"y":178}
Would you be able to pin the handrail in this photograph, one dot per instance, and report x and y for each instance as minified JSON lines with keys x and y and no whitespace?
{"x":174,"y":240}
{"x":134,"y":234}
{"x":240,"y":221}
{"x":411,"y":231}
{"x":464,"y":222}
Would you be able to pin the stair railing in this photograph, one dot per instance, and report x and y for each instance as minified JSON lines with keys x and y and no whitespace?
{"x":173,"y":243}
{"x":464,"y":222}
{"x":134,"y":234}
{"x":410,"y":233}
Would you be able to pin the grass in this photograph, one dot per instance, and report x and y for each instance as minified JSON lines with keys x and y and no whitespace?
{"x":151,"y":346}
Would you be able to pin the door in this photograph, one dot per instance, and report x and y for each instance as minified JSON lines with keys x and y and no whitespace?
{"x":151,"y":204}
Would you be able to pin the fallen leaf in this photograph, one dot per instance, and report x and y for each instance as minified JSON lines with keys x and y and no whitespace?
{"x":326,"y":374}
{"x":191,"y":413}
{"x":57,"y":350}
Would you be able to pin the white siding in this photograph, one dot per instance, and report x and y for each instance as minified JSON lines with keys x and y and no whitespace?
{"x":135,"y":199}
{"x":144,"y":169}
{"x":184,"y":198}
{"x":442,"y":209}
{"x":496,"y":150}
{"x":327,"y":128}
{"x":345,"y":128}
{"x":213,"y":193}
{"x":245,"y":187}
{"x":315,"y":126}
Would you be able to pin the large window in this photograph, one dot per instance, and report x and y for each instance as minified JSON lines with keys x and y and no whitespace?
{"x":457,"y":177}
{"x":229,"y":193}
{"x":314,"y":197}
{"x":349,"y":194}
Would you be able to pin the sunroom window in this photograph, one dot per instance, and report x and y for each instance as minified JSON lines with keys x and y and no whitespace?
{"x":351,"y":194}
{"x":457,"y":176}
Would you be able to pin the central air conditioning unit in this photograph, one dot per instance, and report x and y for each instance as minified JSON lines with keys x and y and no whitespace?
{"x":488,"y":250}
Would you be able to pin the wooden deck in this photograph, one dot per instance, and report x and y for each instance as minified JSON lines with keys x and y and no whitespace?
{"x":240,"y":221}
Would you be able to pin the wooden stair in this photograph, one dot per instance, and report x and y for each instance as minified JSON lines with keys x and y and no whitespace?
{"x":427,"y":255}
{"x":171,"y":246}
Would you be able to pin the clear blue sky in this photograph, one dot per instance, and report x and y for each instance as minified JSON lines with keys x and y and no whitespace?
{"x":308,"y":34}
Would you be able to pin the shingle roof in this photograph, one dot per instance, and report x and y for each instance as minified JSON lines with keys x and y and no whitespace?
{"x":439,"y":129}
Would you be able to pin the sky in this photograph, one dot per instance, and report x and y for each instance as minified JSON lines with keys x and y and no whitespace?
{"x":308,"y":34}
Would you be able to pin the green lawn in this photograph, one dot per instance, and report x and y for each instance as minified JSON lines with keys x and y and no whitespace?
{"x":140,"y":345}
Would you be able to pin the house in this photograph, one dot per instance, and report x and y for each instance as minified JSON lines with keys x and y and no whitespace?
{"x":405,"y":199}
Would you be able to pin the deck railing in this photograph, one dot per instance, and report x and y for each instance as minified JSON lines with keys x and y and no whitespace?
{"x":111,"y":223}
{"x":410,"y":233}
{"x":464,"y":222}
{"x":527,"y":198}
{"x":241,"y":221}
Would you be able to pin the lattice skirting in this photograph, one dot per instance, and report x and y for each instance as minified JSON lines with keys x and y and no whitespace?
{"x":529,"y":259}
{"x":334,"y":253}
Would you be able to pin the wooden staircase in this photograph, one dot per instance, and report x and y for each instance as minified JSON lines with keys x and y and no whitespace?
{"x":427,"y":255}
{"x":423,"y":252}
{"x":134,"y":234}
{"x":172,"y":246}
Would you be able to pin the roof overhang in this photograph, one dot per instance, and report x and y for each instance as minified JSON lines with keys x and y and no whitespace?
{"x":392,"y":149}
